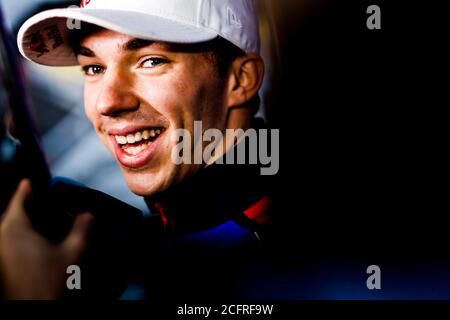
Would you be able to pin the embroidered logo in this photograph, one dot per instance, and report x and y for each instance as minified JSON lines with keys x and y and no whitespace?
{"x":233,"y":20}
{"x":55,"y":35}
{"x":85,"y":3}
{"x":37,"y":44}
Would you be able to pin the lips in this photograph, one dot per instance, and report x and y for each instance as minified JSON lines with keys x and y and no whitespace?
{"x":136,"y":147}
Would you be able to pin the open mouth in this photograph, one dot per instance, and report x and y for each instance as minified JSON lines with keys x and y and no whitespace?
{"x":135,"y":143}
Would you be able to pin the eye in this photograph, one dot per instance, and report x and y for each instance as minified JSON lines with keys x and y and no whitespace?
{"x":93,"y":70}
{"x":153,"y":62}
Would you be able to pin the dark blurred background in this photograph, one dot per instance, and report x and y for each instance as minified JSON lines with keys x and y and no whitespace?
{"x":364,"y":170}
{"x":362,"y":115}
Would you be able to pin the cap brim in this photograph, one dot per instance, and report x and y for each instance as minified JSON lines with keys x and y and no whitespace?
{"x":45,"y":37}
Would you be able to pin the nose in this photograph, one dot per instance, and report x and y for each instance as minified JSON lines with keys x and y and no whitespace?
{"x":116,"y":95}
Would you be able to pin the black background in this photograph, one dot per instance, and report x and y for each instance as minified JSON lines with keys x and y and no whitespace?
{"x":363,"y":161}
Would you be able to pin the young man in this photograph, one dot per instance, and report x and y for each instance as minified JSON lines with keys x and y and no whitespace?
{"x":153,"y":68}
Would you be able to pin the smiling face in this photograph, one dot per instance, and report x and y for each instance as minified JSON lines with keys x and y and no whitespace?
{"x":138,"y":92}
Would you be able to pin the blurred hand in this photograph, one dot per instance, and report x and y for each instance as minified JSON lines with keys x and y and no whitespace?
{"x":31,"y":267}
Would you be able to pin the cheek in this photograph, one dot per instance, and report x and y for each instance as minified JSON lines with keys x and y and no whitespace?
{"x":198,"y":97}
{"x":171,"y":96}
{"x":89,"y":105}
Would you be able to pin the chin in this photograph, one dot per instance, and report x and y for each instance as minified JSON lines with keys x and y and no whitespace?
{"x":144,"y":191}
{"x":147,"y":183}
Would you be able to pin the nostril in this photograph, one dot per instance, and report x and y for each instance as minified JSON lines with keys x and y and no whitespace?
{"x":120,"y":112}
{"x":115,"y":97}
{"x":116,"y":104}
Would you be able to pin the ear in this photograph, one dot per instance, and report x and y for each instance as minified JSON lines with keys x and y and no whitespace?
{"x":246,"y":77}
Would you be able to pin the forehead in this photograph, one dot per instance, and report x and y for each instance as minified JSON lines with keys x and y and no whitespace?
{"x":94,"y":36}
{"x":100,"y":37}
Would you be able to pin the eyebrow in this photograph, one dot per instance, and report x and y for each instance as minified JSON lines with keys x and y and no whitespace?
{"x":83,"y":51}
{"x":131,"y":45}
{"x":136,"y":44}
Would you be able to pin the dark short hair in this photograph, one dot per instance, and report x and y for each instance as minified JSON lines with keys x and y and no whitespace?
{"x":222,"y":53}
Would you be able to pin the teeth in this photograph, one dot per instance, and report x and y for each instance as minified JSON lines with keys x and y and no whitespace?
{"x":135,"y":150}
{"x":132,"y":151}
{"x":121,"y":140}
{"x":130,"y":138}
{"x":138,"y":136}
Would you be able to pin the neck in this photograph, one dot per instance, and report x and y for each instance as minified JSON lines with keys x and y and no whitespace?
{"x":238,"y":118}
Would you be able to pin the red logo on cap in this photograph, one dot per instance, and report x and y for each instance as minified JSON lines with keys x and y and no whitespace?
{"x":84,"y":3}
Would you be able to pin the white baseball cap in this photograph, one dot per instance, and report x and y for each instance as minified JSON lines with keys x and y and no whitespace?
{"x":45,"y":37}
